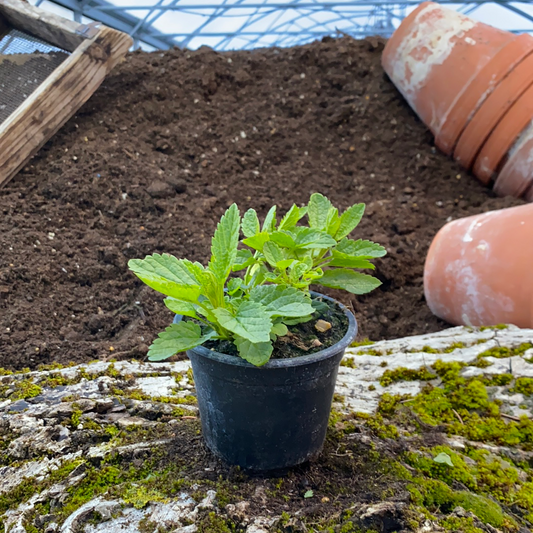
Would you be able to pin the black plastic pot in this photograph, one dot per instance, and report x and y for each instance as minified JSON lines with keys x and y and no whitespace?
{"x":270,"y":417}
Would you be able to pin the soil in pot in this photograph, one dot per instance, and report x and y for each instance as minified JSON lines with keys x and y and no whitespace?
{"x":172,"y":138}
{"x":327,"y":328}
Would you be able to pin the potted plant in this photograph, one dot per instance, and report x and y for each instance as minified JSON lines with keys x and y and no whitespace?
{"x":265,"y":350}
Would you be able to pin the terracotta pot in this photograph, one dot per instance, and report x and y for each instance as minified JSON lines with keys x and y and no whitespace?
{"x":479,"y":90}
{"x":435,"y":55}
{"x":504,"y":136}
{"x":478,"y":269}
{"x":516,"y":176}
{"x":490,"y":113}
{"x":528,"y":196}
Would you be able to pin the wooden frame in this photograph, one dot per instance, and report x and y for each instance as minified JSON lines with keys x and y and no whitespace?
{"x":95,"y":50}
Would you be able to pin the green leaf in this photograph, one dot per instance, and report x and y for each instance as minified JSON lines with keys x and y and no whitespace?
{"x":272,"y":253}
{"x":309,"y":494}
{"x":351,"y":261}
{"x":243,"y":259}
{"x":175,"y":339}
{"x":350,"y":281}
{"x":318,"y":210}
{"x":257,"y":241}
{"x":234,"y":285}
{"x":308,"y":238}
{"x":180,"y":307}
{"x":250,"y":223}
{"x":252,"y":321}
{"x":270,"y":220}
{"x":168,"y":275}
{"x":333,"y":222}
{"x":298,"y":269}
{"x":282,"y":265}
{"x":360,"y":248}
{"x":291,"y":218}
{"x":298,"y":320}
{"x":280,"y":300}
{"x":349,"y":220}
{"x":443,"y":458}
{"x":224,"y":244}
{"x":283,"y":238}
{"x":256,"y":353}
{"x":279,"y":329}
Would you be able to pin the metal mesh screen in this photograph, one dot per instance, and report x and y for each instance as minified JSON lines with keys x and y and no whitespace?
{"x":25,"y":62}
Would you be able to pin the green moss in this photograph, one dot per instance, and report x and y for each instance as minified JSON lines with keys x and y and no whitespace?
{"x":460,"y":525}
{"x":364,"y":342}
{"x":75,"y":418}
{"x":348,"y":362}
{"x":496,"y":327}
{"x":140,"y":496}
{"x":378,"y":426}
{"x":213,"y":523}
{"x":25,"y":388}
{"x":499,"y":380}
{"x":405,"y":374}
{"x":502,"y":352}
{"x":453,"y":347}
{"x":370,"y":351}
{"x":523,"y":386}
{"x":436,"y":495}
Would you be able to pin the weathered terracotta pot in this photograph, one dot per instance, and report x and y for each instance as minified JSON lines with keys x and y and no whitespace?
{"x":478,"y":269}
{"x":464,"y":111}
{"x":490,"y":113}
{"x":435,"y":56}
{"x":516,"y":176}
{"x":504,"y":136}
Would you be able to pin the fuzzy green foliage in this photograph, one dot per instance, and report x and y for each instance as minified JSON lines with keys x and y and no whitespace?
{"x":364,"y":342}
{"x":502,"y":352}
{"x":24,"y":389}
{"x":348,"y":362}
{"x":405,"y":374}
{"x":281,"y":260}
{"x":523,"y":386}
{"x":437,"y":495}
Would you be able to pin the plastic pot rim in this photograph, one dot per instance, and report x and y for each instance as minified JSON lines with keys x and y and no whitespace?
{"x":293,"y":362}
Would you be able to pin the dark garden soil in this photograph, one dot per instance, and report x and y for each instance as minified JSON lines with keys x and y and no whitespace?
{"x":169,"y":141}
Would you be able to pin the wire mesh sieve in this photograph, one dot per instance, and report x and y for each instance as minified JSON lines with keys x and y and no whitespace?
{"x":25,"y":62}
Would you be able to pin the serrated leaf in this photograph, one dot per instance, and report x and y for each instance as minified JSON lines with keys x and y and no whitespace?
{"x":175,"y":339}
{"x":234,"y":285}
{"x":291,"y":218}
{"x":270,"y":220}
{"x":309,"y":494}
{"x":256,"y":353}
{"x":297,"y":271}
{"x":349,"y":220}
{"x":309,"y":238}
{"x":333,"y":222}
{"x":298,"y":320}
{"x":211,"y":287}
{"x":443,"y":458}
{"x":361,"y":248}
{"x":251,"y":321}
{"x":283,"y":238}
{"x":250,"y":223}
{"x":243,"y":259}
{"x":280,"y":300}
{"x":279,"y":329}
{"x":272,"y":253}
{"x":181,"y":307}
{"x":224,"y":244}
{"x":257,"y":241}
{"x":286,"y":263}
{"x":351,"y":261}
{"x":350,"y":281}
{"x":168,"y":275}
{"x":318,"y":210}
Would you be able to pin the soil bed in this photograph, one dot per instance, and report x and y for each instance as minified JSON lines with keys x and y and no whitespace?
{"x":169,"y":142}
